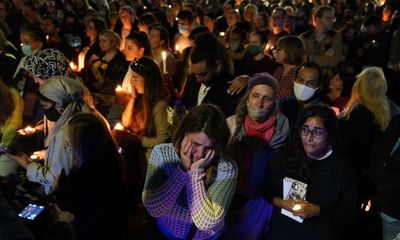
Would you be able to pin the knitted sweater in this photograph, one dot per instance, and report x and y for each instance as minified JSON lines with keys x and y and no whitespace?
{"x":179,"y":199}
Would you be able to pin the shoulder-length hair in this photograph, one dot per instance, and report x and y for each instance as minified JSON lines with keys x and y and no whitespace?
{"x":370,"y":90}
{"x":210,"y":120}
{"x":113,"y":37}
{"x":154,"y":91}
{"x":294,"y":49}
{"x":298,"y":164}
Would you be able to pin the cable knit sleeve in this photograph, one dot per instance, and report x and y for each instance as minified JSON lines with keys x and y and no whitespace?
{"x":161,"y":190}
{"x":209,"y":206}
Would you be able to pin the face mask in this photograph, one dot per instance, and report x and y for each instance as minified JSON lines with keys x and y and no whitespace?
{"x":254,"y":49}
{"x":26,"y":50}
{"x":257,"y":114}
{"x":302,"y":92}
{"x":182,"y":28}
{"x":52,"y":114}
{"x":234,"y":46}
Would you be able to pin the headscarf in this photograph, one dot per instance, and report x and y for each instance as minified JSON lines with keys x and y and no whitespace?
{"x":47,"y":63}
{"x":69,"y":93}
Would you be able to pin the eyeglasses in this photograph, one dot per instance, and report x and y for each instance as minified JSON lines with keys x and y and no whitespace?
{"x":316,"y":132}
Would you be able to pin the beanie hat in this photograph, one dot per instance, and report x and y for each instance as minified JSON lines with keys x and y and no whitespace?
{"x":263,"y":78}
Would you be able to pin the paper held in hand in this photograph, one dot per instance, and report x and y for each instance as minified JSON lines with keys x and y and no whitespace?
{"x":293,"y":189}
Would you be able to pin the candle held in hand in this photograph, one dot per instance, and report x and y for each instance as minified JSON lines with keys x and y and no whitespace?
{"x":296,"y":207}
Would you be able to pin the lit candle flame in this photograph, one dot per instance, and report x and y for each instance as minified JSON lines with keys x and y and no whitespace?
{"x":73,"y":66}
{"x":118,"y":126}
{"x":222,"y":34}
{"x":176,"y":18}
{"x":144,"y":7}
{"x":34,"y":157}
{"x":47,"y":37}
{"x":119,"y":89}
{"x":296,"y":207}
{"x":29,"y":129}
{"x":177,"y":47}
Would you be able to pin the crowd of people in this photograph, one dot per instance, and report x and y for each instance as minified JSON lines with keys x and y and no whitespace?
{"x":243,"y":119}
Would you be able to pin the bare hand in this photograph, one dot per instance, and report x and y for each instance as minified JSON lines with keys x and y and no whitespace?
{"x":307,"y":210}
{"x":238,"y":84}
{"x":330,"y":52}
{"x":62,"y":216}
{"x":186,"y":153}
{"x":202,"y":163}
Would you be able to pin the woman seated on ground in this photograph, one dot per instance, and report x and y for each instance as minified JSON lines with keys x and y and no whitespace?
{"x":108,"y":67}
{"x":258,"y":130}
{"x":61,"y":97}
{"x":190,"y":182}
{"x":93,"y":193}
{"x":327,"y":203}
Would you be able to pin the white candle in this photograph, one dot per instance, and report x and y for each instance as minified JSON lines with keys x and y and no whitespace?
{"x":164,"y":61}
{"x":177,"y":47}
{"x":118,"y":126}
{"x":34,"y":157}
{"x":119,"y":90}
{"x":81,"y":60}
{"x":222,"y":34}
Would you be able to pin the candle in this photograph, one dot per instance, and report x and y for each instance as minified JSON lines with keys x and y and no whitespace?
{"x":222,"y":34}
{"x":81,"y":60}
{"x":177,"y":47}
{"x":144,"y":7}
{"x":119,"y":90}
{"x":34,"y":157}
{"x":164,"y":61}
{"x":47,"y":38}
{"x":73,"y":66}
{"x":29,"y":129}
{"x":176,"y":18}
{"x":118,"y":126}
{"x":296,"y":207}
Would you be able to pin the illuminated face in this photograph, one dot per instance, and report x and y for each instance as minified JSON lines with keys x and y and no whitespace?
{"x":48,"y":27}
{"x":132,"y":51}
{"x":106,"y":44}
{"x":201,"y":145}
{"x":126,"y":18}
{"x":314,"y":137}
{"x":262,"y":96}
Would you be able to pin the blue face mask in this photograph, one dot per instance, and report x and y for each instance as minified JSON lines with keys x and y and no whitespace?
{"x":182,"y":28}
{"x":253,"y":49}
{"x":26,"y":49}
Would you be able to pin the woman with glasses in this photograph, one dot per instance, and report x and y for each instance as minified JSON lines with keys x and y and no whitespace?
{"x":258,"y":130}
{"x":314,"y":164}
{"x":190,"y":182}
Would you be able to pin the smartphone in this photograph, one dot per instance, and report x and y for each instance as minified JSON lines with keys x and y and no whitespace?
{"x":31,"y":211}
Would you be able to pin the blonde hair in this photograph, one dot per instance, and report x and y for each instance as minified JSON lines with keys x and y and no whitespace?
{"x":113,"y":37}
{"x":370,"y":90}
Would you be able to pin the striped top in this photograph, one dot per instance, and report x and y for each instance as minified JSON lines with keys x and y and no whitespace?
{"x":179,"y":199}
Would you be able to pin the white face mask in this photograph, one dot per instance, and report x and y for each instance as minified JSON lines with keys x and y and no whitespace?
{"x":302,"y":92}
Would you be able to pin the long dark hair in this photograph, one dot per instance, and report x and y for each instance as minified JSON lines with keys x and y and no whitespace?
{"x":93,"y":147}
{"x":154,"y":91}
{"x":210,"y":120}
{"x":298,"y":164}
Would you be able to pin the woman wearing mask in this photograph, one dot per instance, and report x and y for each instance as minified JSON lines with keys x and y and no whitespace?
{"x":190,"y":182}
{"x":254,"y":61}
{"x":258,"y":131}
{"x":327,"y":203}
{"x":61,"y":98}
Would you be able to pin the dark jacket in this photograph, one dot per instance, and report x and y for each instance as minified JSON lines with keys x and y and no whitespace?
{"x":217,"y":94}
{"x":385,"y":169}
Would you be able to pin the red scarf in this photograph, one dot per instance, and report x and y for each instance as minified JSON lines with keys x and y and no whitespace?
{"x":264,"y":130}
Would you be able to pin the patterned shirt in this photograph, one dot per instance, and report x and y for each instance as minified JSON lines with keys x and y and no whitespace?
{"x":179,"y":199}
{"x":285,"y":82}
